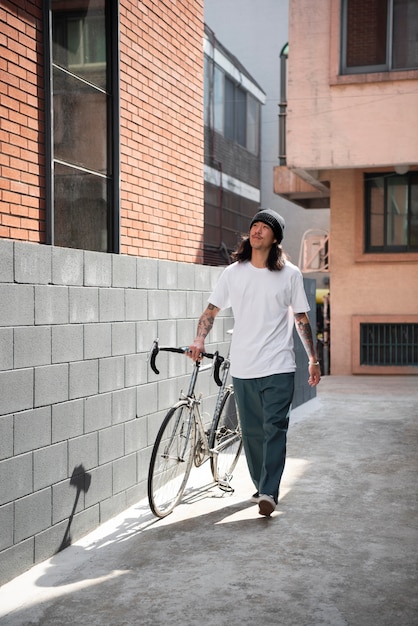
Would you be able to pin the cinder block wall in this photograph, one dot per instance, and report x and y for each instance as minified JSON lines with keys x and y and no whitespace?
{"x":79,"y":405}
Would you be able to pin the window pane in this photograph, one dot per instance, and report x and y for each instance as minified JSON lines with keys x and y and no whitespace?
{"x":80,"y":122}
{"x":241,"y":115}
{"x":81,"y":209}
{"x":219,"y":99}
{"x":413,"y":222}
{"x":207,"y":90}
{"x":79,"y":39}
{"x":397,"y":212}
{"x":229,"y":109}
{"x":376,"y":212}
{"x":366,"y":33}
{"x":253,"y":109}
{"x":405,"y":34}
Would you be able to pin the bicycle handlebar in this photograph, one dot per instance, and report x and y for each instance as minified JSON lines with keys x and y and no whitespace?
{"x":218,"y":359}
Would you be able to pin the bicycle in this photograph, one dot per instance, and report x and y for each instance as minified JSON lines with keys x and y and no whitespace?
{"x":182,"y":439}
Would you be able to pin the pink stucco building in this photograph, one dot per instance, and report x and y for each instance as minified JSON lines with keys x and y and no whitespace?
{"x":352,"y":141}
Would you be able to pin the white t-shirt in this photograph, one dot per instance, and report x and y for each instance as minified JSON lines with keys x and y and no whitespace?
{"x":263,"y":304}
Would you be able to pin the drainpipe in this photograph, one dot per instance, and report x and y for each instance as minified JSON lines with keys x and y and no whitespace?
{"x":283,"y":104}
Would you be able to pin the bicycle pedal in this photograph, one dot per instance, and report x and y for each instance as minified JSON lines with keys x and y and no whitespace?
{"x":224,"y":486}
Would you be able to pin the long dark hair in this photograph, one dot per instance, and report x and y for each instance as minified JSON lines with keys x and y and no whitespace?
{"x":276,"y":259}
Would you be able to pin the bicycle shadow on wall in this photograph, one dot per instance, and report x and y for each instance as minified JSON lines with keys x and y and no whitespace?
{"x":81,"y":480}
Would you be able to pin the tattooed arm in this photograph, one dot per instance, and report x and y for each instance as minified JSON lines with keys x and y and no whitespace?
{"x":303,"y":326}
{"x":204,"y":327}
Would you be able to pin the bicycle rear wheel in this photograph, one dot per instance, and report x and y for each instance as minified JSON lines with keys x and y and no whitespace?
{"x":171,"y":459}
{"x":226,"y":441}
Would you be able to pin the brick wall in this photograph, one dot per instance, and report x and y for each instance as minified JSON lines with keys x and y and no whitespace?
{"x":161,"y":125}
{"x":161,"y":89}
{"x":22,"y":187}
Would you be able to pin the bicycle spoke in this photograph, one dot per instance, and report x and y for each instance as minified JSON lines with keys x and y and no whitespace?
{"x":226,"y":441}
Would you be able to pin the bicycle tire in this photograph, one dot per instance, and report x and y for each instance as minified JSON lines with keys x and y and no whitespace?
{"x":225,"y":441}
{"x":171,"y":459}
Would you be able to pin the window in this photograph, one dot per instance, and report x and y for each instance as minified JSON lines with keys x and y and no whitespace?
{"x":379,"y":35}
{"x":82,"y":194}
{"x":230,"y":110}
{"x":391,"y":212}
{"x":389,"y":344}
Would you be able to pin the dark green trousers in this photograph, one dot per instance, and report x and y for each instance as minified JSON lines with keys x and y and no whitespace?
{"x":264,"y":408}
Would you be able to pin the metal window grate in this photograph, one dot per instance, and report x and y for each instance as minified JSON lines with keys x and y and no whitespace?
{"x":389,"y":344}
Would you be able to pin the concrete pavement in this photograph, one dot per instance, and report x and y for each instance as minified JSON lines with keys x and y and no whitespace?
{"x":341,"y":549}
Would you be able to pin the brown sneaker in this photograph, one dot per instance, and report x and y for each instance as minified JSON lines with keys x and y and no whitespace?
{"x":266,"y":505}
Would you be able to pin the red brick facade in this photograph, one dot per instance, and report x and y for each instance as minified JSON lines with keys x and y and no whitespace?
{"x":22,"y":165}
{"x":161,"y":126}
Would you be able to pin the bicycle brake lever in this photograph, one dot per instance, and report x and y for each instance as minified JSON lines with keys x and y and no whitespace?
{"x":154,"y":351}
{"x":217,"y":364}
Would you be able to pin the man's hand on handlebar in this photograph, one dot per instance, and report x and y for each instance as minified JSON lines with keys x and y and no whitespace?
{"x":196,"y":349}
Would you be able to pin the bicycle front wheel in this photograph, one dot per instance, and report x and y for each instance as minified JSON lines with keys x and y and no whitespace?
{"x":171,"y":459}
{"x":226,"y":441}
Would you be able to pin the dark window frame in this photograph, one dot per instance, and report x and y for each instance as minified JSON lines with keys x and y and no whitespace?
{"x":113,"y":132}
{"x":383,"y":65}
{"x":384,"y":181}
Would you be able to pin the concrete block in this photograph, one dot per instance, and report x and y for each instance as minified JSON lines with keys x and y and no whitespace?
{"x":111,"y":305}
{"x":168,"y":392}
{"x":154,"y":422}
{"x":6,"y":261}
{"x":67,"y":420}
{"x":123,"y":271}
{"x":186,"y":331}
{"x":135,"y":494}
{"x":98,"y":412}
{"x":32,"y":429}
{"x":51,"y":305}
{"x":185,"y":276}
{"x":157,"y":305}
{"x":17,"y":305}
{"x":49,"y":541}
{"x":6,"y":526}
{"x":32,"y":346}
{"x":6,"y":436}
{"x":147,"y":273}
{"x":136,"y":304}
{"x":177,"y":304}
{"x":123,"y":405}
{"x":16,"y":391}
{"x":50,"y":465}
{"x":67,"y":343}
{"x":167,"y":275}
{"x":195,"y":305}
{"x":67,"y":266}
{"x":111,"y":374}
{"x":16,"y":478}
{"x":6,"y":348}
{"x":111,"y":443}
{"x":84,"y":305}
{"x":83,"y":451}
{"x":51,"y":384}
{"x":32,"y":514}
{"x":112,"y":506}
{"x":143,"y":461}
{"x":64,"y":496}
{"x":16,"y":560}
{"x":167,"y":332}
{"x":32,"y":263}
{"x":146,"y":332}
{"x":124,"y":473}
{"x":147,"y":399}
{"x":136,"y":366}
{"x":97,"y":269}
{"x":100,"y":486}
{"x":97,"y":340}
{"x":84,"y":379}
{"x":123,"y":338}
{"x":84,"y":522}
{"x":135,"y":435}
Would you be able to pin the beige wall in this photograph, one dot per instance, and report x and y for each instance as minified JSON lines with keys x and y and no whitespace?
{"x":363,"y":120}
{"x":338,"y":127}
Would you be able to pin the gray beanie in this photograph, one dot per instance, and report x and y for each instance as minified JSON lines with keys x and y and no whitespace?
{"x":272,"y":219}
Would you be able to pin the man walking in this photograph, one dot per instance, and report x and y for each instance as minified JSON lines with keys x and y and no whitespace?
{"x":267,"y":297}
